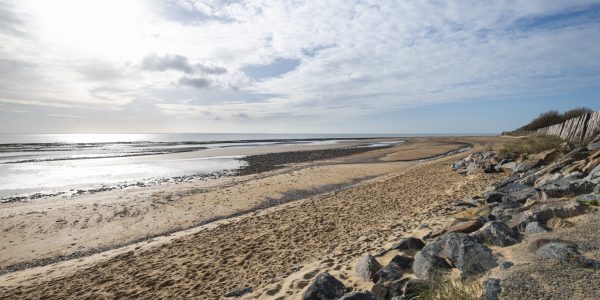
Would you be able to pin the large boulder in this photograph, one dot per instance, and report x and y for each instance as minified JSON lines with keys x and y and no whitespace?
{"x":496,"y":233}
{"x":324,"y":287}
{"x":527,"y":165}
{"x":461,"y":250}
{"x":506,"y":210}
{"x":402,"y":261}
{"x":565,"y":187}
{"x":367,"y":267}
{"x":388,"y":289}
{"x":562,"y":251}
{"x":559,"y":208}
{"x":390,"y":272}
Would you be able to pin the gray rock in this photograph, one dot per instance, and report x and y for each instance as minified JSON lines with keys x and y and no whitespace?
{"x":560,"y":209}
{"x":409,"y":244}
{"x":384,"y":290}
{"x":496,"y":233}
{"x":548,"y":178}
{"x":390,"y":272}
{"x":363,"y":295}
{"x":509,"y":167}
{"x":512,"y":188}
{"x":564,"y":252}
{"x":491,"y":289}
{"x":460,"y":249}
{"x":565,"y":188}
{"x":506,"y":210}
{"x":367,"y":266}
{"x":427,"y":263}
{"x":505,"y":264}
{"x":522,"y":195}
{"x":463,"y":203}
{"x":527,"y":165}
{"x":238,"y":292}
{"x":324,"y":287}
{"x":594,"y":144}
{"x":414,"y":288}
{"x":535,"y":227}
{"x":493,"y":196}
{"x":594,"y":173}
{"x":402,"y":261}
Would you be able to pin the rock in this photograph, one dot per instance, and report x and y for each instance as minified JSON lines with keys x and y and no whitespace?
{"x":548,"y":178}
{"x":426,"y":263}
{"x":402,"y":261}
{"x":512,"y":188}
{"x":595,"y":173}
{"x":527,"y":165}
{"x":564,"y":252}
{"x":493,"y":196}
{"x":384,"y":290}
{"x":363,"y":295}
{"x":548,"y":156}
{"x":578,"y":153}
{"x":390,"y":272}
{"x":238,"y":292}
{"x":555,"y":223}
{"x":505,"y":264}
{"x":559,"y":208}
{"x":409,"y":244}
{"x":463,"y":203}
{"x":414,"y":288}
{"x":509,"y":167}
{"x":591,"y":165}
{"x":522,"y":195}
{"x":491,"y":289}
{"x":324,"y":287}
{"x":464,"y":226}
{"x":462,"y":250}
{"x":565,"y":188}
{"x":367,"y":266}
{"x":594,"y":144}
{"x":535,"y":227}
{"x":506,"y":210}
{"x":496,"y":233}
{"x":520,"y":220}
{"x":574,"y":167}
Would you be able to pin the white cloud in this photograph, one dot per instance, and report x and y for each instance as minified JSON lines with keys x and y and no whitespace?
{"x":356,"y":57}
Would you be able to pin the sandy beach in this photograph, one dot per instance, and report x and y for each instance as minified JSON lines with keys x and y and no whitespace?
{"x":270,"y":231}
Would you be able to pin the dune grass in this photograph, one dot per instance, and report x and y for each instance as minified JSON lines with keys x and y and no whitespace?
{"x":529,"y":145}
{"x":440,"y":288}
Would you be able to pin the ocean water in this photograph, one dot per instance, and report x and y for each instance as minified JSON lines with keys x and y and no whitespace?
{"x":36,"y":165}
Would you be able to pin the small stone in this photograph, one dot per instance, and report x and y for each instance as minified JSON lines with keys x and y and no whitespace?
{"x":491,"y":289}
{"x":505,"y":264}
{"x":238,"y":292}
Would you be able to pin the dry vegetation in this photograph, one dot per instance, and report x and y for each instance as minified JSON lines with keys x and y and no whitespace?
{"x":529,"y":145}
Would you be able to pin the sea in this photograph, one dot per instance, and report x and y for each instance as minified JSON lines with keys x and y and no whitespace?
{"x":33,"y":166}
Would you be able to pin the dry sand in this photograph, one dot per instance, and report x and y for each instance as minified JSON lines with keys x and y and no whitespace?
{"x":325,"y":231}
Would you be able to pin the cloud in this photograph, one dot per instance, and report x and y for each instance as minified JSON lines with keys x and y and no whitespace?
{"x":307,"y":60}
{"x":199,"y":83}
{"x":153,"y":62}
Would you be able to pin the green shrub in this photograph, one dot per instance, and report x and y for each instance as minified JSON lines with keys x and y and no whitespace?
{"x":529,"y":145}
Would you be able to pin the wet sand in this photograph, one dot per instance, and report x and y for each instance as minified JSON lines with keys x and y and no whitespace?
{"x":339,"y":201}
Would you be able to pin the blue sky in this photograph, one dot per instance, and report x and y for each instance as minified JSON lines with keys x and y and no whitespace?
{"x":298,"y":67}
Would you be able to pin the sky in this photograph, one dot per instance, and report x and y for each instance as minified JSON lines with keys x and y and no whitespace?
{"x":128,"y":66}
